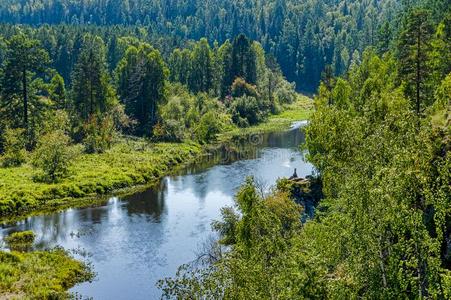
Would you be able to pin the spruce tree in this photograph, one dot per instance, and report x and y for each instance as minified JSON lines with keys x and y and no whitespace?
{"x":91,"y":90}
{"x":414,"y":51}
{"x":25,"y":59}
{"x":142,"y":78}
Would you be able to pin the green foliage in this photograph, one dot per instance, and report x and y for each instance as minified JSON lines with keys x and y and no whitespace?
{"x":261,"y":257}
{"x":186,"y":116}
{"x":99,"y":133}
{"x":246,"y":111}
{"x":19,"y":99}
{"x":201,"y":74}
{"x":53,"y":156}
{"x":241,"y":88}
{"x":142,"y":76}
{"x":40,"y":274}
{"x":91,"y":90}
{"x":385,"y":189}
{"x":244,"y":59}
{"x":20,"y":241}
{"x":440,"y":56}
{"x":414,"y":55}
{"x":57,"y":92}
{"x":207,"y":129}
{"x":14,"y":147}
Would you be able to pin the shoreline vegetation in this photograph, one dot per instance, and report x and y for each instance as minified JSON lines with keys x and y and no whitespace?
{"x":130,"y":165}
{"x":38,"y":274}
{"x":137,"y":164}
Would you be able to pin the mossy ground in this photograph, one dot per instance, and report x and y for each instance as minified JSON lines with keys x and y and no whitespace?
{"x":39,"y":274}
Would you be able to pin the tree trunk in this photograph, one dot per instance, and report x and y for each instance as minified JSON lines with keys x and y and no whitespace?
{"x":418,"y":79}
{"x":25,"y":99}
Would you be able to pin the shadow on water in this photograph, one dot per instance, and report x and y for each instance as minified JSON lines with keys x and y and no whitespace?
{"x":136,"y":240}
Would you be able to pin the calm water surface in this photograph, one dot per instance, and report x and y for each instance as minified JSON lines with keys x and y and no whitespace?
{"x":136,"y":240}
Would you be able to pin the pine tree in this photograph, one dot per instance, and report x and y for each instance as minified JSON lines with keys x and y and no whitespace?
{"x":142,"y":78}
{"x":24,"y":61}
{"x":57,"y":92}
{"x":414,"y":51}
{"x":243,"y":59}
{"x":91,"y":91}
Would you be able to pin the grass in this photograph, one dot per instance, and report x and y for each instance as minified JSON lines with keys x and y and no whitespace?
{"x":297,"y":111}
{"x":40,"y":274}
{"x":130,"y":163}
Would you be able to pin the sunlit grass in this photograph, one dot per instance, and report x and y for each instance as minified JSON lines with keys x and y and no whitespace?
{"x":297,"y":111}
{"x":127,"y":164}
{"x":39,"y":275}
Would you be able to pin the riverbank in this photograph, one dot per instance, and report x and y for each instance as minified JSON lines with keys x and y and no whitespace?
{"x":128,"y":164}
{"x":40,"y":274}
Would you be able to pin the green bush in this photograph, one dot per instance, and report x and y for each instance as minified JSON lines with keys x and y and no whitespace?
{"x":20,"y":241}
{"x":169,"y":131}
{"x":53,"y":155}
{"x":285,"y":92}
{"x":241,"y":88}
{"x":245,"y":111}
{"x":209,"y":126}
{"x":99,"y":133}
{"x":14,"y":147}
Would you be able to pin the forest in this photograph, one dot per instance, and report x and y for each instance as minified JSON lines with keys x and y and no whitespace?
{"x":97,"y":96}
{"x":303,"y":36}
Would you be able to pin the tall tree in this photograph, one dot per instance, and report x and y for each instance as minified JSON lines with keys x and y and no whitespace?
{"x":225,"y":54}
{"x":25,"y":59}
{"x":414,"y":51}
{"x":142,"y":78}
{"x":243,"y":59}
{"x":57,"y":91}
{"x":180,"y":65}
{"x":91,"y":90}
{"x":201,"y":77}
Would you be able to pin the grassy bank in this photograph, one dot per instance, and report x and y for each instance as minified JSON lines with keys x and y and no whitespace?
{"x":39,"y":274}
{"x":299,"y":110}
{"x":129,"y":163}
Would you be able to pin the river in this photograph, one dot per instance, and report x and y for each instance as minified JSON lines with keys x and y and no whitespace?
{"x":133,"y":241}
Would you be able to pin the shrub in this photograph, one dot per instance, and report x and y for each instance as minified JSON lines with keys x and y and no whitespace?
{"x":285,"y":92}
{"x":53,"y":155}
{"x":99,"y":133}
{"x":241,"y":88}
{"x":169,"y":130}
{"x":209,"y":126}
{"x":20,"y":241}
{"x":245,"y":111}
{"x":14,"y":147}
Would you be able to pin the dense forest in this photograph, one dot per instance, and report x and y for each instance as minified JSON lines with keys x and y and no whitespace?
{"x":303,"y":36}
{"x":196,"y":93}
{"x":380,"y":140}
{"x":83,"y":76}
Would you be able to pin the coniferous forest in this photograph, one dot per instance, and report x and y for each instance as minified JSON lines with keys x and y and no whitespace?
{"x":98,"y":97}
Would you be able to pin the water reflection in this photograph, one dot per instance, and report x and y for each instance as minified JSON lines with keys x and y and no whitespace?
{"x":135,"y":241}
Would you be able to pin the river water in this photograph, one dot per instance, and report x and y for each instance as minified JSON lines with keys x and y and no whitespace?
{"x":133,"y":241}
